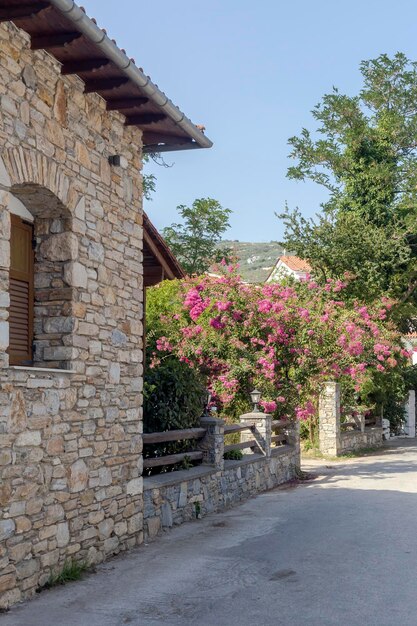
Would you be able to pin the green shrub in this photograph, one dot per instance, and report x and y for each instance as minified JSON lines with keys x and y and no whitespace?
{"x":233,"y":455}
{"x":163,"y":300}
{"x":174,"y":396}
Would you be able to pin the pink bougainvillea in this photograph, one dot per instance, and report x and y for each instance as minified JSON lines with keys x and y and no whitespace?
{"x":268,"y":407}
{"x":284,"y":339}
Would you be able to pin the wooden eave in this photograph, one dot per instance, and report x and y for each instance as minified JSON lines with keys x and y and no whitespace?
{"x":50,"y":30}
{"x":159,"y":263}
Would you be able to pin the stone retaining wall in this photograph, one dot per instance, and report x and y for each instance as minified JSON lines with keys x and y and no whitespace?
{"x":177,"y":497}
{"x":355,"y":440}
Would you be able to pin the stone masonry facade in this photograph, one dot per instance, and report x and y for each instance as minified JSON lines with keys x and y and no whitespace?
{"x":70,"y":427}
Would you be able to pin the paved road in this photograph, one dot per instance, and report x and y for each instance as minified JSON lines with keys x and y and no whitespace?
{"x":340,"y":550}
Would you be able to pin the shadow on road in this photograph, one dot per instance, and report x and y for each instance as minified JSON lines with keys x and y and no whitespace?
{"x":341,"y":549}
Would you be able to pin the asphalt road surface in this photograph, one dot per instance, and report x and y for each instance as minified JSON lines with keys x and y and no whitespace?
{"x":338,"y":550}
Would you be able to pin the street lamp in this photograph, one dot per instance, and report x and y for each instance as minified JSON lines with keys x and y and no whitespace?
{"x":255,"y":396}
{"x":207,"y":400}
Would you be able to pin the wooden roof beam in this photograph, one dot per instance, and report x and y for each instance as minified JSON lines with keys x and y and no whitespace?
{"x":84,"y":65}
{"x":149,"y":243}
{"x":104,"y":84}
{"x":53,"y":40}
{"x":122,"y":104}
{"x":144,"y":119}
{"x":22,"y":10}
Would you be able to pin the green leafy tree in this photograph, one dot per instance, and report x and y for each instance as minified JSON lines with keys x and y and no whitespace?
{"x":364,"y":152}
{"x":149,"y":180}
{"x":195,"y":240}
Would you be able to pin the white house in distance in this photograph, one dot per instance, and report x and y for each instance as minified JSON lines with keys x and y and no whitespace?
{"x":289,"y":265}
{"x":411,"y":344}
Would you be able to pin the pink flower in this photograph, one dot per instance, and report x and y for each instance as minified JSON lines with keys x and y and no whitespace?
{"x":304,"y":413}
{"x":216,"y":323}
{"x":163,"y":345}
{"x":192,"y":298}
{"x":355,"y":348}
{"x":199,"y":308}
{"x":264,"y":306}
{"x":268,"y":406}
{"x":154,"y":362}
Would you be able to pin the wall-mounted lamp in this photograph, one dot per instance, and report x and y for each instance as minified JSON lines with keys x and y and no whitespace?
{"x":117,"y":160}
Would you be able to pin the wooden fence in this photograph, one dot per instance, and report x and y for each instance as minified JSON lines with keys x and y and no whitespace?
{"x":258,"y":433}
{"x":169,"y":436}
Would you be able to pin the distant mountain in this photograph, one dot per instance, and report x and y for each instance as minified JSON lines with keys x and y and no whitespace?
{"x":256,"y":259}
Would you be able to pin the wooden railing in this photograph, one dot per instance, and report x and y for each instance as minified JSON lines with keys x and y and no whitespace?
{"x":258,"y":433}
{"x":280,"y":439}
{"x":169,"y":436}
{"x":346,"y":425}
{"x":230,"y":429}
{"x":360,"y":424}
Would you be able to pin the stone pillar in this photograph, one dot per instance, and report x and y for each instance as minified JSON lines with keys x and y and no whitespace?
{"x":410,"y":410}
{"x":329,"y":419}
{"x":261,"y":431}
{"x":212,"y":443}
{"x":293,"y":436}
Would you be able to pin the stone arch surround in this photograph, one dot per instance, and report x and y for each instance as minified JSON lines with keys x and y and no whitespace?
{"x":22,"y":169}
{"x":44,"y":189}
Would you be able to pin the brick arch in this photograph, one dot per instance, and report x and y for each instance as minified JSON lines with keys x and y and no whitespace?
{"x":30,"y":171}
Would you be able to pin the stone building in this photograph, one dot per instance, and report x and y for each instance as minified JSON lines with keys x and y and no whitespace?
{"x":75,"y":115}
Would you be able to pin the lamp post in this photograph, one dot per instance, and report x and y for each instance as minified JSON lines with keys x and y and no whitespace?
{"x":207,"y":400}
{"x":255,"y":397}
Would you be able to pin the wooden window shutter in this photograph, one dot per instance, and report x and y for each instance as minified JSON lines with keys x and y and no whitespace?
{"x":21,"y":292}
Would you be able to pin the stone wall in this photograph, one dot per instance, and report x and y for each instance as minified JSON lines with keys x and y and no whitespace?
{"x":171,"y":499}
{"x":356,"y":440}
{"x":333,"y":441}
{"x":70,"y":456}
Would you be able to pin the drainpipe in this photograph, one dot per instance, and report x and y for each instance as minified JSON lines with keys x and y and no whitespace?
{"x":87,"y":27}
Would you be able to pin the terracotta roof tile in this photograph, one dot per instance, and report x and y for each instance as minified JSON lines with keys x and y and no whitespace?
{"x":296,"y":264}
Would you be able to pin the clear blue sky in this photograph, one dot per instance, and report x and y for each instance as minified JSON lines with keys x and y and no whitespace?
{"x":250,"y":72}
